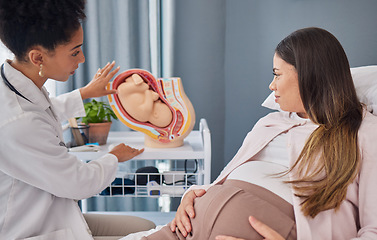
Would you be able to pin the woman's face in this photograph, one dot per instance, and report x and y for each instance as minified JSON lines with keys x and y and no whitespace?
{"x":285,"y":86}
{"x":66,"y":58}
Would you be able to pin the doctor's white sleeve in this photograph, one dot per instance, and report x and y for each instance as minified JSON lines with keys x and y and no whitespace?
{"x":68,"y":105}
{"x":33,"y":155}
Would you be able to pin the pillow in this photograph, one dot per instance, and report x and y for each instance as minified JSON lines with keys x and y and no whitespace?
{"x":365,"y":80}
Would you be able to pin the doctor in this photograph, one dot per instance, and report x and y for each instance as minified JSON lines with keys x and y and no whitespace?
{"x":40,"y":180}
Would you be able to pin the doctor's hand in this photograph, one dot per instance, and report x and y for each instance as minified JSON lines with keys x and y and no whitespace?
{"x":97,"y":87}
{"x":264,"y":230}
{"x":124,"y":152}
{"x":186,"y":211}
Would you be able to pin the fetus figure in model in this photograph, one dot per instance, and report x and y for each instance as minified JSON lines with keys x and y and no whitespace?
{"x":157,"y":107}
{"x":143,"y":103}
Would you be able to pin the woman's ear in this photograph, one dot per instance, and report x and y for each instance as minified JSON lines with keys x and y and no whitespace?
{"x":36,"y":57}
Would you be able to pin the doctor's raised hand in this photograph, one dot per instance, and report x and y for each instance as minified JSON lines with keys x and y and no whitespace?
{"x":97,"y":86}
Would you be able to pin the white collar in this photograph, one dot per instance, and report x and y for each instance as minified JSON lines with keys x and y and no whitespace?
{"x":295,"y":116}
{"x":26,"y":86}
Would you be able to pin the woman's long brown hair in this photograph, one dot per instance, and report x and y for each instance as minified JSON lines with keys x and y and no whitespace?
{"x":329,"y":161}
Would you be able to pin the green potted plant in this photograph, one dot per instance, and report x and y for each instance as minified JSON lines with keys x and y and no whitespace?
{"x":98,"y":117}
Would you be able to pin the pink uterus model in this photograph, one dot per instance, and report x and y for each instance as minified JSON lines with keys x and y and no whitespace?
{"x":159,"y":108}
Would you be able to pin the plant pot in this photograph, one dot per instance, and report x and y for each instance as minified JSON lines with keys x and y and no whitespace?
{"x":98,"y":132}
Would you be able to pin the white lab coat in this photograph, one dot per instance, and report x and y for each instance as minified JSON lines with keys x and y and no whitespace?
{"x":39,"y":179}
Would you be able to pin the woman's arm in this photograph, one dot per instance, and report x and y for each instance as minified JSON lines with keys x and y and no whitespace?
{"x":367,"y":193}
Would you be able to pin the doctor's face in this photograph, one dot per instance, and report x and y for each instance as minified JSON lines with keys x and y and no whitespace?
{"x":65,"y":59}
{"x":285,"y":86}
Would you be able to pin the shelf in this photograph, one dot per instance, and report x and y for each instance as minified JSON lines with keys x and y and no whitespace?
{"x":190,"y":163}
{"x":191,"y":149}
{"x":153,"y":184}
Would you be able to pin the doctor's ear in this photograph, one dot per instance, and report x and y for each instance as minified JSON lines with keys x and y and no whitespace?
{"x":36,"y":56}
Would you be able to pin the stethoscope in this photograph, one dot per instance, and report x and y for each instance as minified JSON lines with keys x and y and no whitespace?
{"x":11,"y":87}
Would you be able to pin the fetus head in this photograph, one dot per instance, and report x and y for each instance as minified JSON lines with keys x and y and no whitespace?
{"x":157,"y":107}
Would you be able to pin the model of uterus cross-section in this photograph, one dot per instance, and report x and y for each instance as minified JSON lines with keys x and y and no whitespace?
{"x":157,"y":107}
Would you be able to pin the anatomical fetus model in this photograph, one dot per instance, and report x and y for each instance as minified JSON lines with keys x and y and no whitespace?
{"x":157,"y":107}
{"x":142,"y":103}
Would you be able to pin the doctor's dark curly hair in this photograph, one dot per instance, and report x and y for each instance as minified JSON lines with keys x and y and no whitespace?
{"x":47,"y":23}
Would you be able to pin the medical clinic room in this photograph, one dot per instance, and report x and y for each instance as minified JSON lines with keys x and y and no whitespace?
{"x":188,"y":119}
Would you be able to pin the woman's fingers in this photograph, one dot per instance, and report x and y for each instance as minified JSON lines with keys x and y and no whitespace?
{"x":124,"y":152}
{"x":173,"y":225}
{"x":105,"y":73}
{"x":105,"y":70}
{"x":264,"y":230}
{"x":185,"y":212}
{"x":97,"y":86}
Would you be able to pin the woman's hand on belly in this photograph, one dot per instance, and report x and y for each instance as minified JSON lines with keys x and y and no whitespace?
{"x":186,"y":211}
